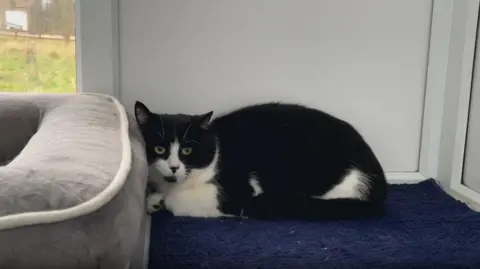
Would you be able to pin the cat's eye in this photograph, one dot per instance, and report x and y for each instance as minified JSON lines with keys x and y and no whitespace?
{"x":186,"y":151}
{"x":159,"y":150}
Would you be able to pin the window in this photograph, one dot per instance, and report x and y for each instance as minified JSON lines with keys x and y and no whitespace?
{"x":84,"y":59}
{"x":37,"y":46}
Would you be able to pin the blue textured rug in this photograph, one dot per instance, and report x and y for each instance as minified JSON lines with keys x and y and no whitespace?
{"x":424,"y":228}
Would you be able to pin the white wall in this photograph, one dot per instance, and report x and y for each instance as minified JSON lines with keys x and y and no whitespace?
{"x":364,"y":61}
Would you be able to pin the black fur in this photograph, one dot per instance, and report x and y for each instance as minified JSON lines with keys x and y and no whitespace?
{"x":294,"y":152}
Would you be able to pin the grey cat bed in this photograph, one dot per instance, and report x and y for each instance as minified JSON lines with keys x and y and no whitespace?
{"x":72,"y":182}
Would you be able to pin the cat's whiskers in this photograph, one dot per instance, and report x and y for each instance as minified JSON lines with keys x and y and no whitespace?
{"x":163,"y":129}
{"x":186,"y":132}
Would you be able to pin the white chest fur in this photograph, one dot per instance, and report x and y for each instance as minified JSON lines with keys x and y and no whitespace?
{"x":198,"y":201}
{"x":197,"y":196}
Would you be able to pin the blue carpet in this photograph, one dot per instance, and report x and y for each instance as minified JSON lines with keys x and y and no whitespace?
{"x":424,"y":228}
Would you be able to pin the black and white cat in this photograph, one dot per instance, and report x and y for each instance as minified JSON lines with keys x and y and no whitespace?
{"x":265,"y":161}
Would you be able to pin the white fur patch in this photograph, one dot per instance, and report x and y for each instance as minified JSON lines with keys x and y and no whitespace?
{"x":257,"y":189}
{"x":353,"y":185}
{"x":200,"y":201}
{"x":174,"y":159}
{"x":197,"y":195}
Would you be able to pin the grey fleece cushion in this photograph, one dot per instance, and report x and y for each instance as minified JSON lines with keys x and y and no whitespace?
{"x":72,"y":182}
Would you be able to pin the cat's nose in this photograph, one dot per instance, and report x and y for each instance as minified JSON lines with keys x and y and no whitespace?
{"x":174,"y":169}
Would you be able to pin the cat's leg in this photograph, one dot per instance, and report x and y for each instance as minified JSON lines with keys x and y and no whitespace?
{"x":300,"y":207}
{"x":154,"y":202}
{"x":276,"y":206}
{"x":263,"y":206}
{"x":237,"y":192}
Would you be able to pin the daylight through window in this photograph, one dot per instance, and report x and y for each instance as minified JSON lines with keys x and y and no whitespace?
{"x":37,"y":46}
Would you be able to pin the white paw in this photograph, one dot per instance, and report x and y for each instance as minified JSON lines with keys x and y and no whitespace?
{"x":154,"y":202}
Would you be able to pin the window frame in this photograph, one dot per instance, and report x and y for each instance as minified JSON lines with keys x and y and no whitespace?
{"x":450,"y":72}
{"x":97,"y":46}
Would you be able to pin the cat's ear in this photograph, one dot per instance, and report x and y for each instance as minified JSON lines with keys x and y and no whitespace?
{"x":142,"y":113}
{"x":204,"y":120}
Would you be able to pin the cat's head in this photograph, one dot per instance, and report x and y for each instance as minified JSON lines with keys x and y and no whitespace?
{"x":176,"y":145}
